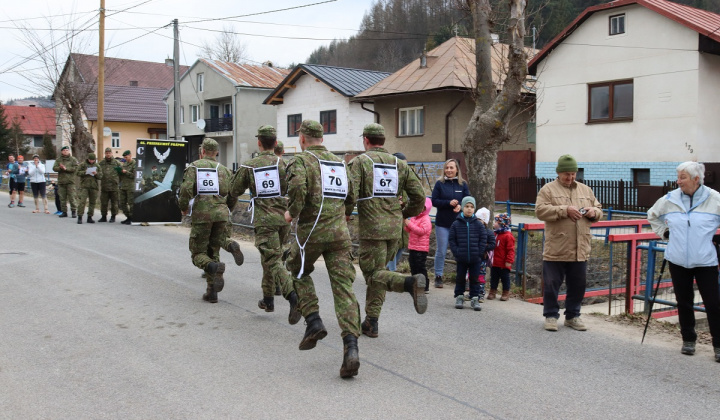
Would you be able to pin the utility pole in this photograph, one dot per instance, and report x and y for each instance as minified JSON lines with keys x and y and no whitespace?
{"x":176,"y":77}
{"x":101,"y":82}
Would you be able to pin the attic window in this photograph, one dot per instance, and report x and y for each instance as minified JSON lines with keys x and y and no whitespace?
{"x":617,"y":24}
{"x":133,"y":83}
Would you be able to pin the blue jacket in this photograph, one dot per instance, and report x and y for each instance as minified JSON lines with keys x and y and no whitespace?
{"x":691,"y":231}
{"x":442,"y":194}
{"x":468,"y":239}
{"x":20,"y":177}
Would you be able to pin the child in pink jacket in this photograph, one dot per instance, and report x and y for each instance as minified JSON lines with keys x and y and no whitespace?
{"x":419,"y":228}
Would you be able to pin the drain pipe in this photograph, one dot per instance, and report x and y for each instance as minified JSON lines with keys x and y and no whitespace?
{"x":377,"y":114}
{"x":447,"y":127}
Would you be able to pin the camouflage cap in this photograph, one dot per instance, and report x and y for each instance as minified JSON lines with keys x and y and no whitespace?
{"x":373,"y":129}
{"x":210,"y":145}
{"x":107,"y":149}
{"x":125,"y":153}
{"x":311,"y":128}
{"x":266,"y":130}
{"x":91,"y":156}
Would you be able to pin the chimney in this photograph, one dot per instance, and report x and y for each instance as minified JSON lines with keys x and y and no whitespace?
{"x":31,"y":106}
{"x":423,"y":59}
{"x":133,"y":83}
{"x":169,"y":62}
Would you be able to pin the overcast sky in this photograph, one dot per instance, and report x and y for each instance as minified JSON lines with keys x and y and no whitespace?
{"x":268,"y":31}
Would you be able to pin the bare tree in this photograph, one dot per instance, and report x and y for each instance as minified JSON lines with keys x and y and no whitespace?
{"x":227,"y":46}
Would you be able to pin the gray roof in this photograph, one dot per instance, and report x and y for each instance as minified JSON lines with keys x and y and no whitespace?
{"x":130,"y":104}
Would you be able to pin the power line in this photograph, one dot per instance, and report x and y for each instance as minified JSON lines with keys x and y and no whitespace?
{"x":263,"y":13}
{"x":297,"y":37}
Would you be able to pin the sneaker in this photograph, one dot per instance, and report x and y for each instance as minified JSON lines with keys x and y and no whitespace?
{"x":481,"y":299}
{"x":688,"y":348}
{"x":575,"y":323}
{"x":459,"y":302}
{"x":20,"y":204}
{"x":57,"y":213}
{"x":466,"y":297}
{"x":551,"y":324}
{"x":475,"y":304}
{"x":438,"y":282}
{"x":717,"y":354}
{"x":11,"y":205}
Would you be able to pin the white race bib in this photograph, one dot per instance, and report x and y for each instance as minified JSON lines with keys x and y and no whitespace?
{"x":267,"y":181}
{"x":385,"y":180}
{"x":334,"y":179}
{"x":207,"y":181}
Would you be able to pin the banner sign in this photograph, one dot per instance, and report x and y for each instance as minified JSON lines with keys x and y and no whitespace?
{"x":160,"y":167}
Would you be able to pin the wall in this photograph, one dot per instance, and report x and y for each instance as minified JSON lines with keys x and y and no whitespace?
{"x":129,"y":133}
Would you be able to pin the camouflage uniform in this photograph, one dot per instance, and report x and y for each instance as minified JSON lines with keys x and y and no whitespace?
{"x":127,"y":187}
{"x":109,"y":190}
{"x":88,"y":188}
{"x":381,"y":224}
{"x":66,"y":181}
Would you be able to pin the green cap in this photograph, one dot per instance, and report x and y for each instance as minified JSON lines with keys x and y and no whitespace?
{"x":279,"y":147}
{"x":107,"y":149}
{"x":566,"y":163}
{"x":210,"y":145}
{"x":311,"y":128}
{"x":267,"y":131}
{"x":373,"y":129}
{"x":65,"y":148}
{"x":125,"y":153}
{"x":91,"y":156}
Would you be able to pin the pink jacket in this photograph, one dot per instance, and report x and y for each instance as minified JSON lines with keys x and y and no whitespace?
{"x":419,"y":228}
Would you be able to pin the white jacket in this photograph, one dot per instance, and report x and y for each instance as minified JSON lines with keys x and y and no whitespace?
{"x":690,"y":243}
{"x":36,"y":174}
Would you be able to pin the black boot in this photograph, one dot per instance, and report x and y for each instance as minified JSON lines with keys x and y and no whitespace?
{"x":370,"y":327}
{"x":294,"y":315}
{"x":74,"y":214}
{"x":89,"y":219}
{"x":351,"y":359}
{"x":234,"y":249}
{"x":103,"y":219}
{"x":216,"y":269}
{"x":63,"y":214}
{"x":278,"y":292}
{"x":267,"y":303}
{"x":79,"y":220}
{"x":314,"y":331}
{"x":438,"y":282}
{"x":210,"y":295}
{"x":415,"y":285}
{"x":127,"y":221}
{"x":112,"y":219}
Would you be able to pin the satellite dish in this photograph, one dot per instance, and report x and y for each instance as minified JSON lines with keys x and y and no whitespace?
{"x":107,"y":131}
{"x":201,"y":124}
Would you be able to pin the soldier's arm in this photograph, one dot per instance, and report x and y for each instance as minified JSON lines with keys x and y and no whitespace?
{"x":416,"y":194}
{"x":56,"y":165}
{"x":240,"y":182}
{"x":187,"y":189}
{"x":81,"y":170}
{"x":297,"y":187}
{"x":354,"y":180}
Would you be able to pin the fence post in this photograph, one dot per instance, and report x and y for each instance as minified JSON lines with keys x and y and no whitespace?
{"x":607,"y":230}
{"x":508,"y":208}
{"x":520,"y":256}
{"x":649,"y":276}
{"x":621,"y":195}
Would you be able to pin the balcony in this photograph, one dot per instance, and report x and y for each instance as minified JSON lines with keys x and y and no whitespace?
{"x":213,"y":125}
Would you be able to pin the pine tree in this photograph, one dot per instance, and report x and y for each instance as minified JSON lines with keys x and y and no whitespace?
{"x":4,"y":134}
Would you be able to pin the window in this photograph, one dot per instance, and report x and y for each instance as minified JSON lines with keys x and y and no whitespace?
{"x":194,"y":113}
{"x":37,"y":141}
{"x":227,"y":110}
{"x":116,"y":140}
{"x":641,"y":176}
{"x":200,"y":82}
{"x":617,"y":24}
{"x":182,"y":115}
{"x":612,"y":101}
{"x":294,"y":122}
{"x":328,"y":119}
{"x":531,"y":132}
{"x":411,"y":121}
{"x":580,"y":175}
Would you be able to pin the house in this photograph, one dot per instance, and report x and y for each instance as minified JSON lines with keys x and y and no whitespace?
{"x":133,"y":105}
{"x":425,"y":108}
{"x":224,"y":101}
{"x":324,"y":94}
{"x":630,"y":89}
{"x":35,"y":123}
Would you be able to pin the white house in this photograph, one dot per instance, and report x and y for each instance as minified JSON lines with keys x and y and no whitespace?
{"x":323,"y":93}
{"x":630,"y":89}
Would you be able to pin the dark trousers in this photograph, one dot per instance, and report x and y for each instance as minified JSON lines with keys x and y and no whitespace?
{"x":498,"y":274}
{"x":574,"y":274}
{"x":462,"y":270}
{"x":707,"y":283}
{"x":417,"y":260}
{"x":38,"y":189}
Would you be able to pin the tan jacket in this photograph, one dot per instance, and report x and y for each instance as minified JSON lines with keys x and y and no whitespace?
{"x":566,"y":240}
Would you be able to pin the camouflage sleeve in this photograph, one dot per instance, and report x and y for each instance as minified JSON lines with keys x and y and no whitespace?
{"x":99,"y":172}
{"x":240,"y":182}
{"x":415,"y":194}
{"x":73,"y":165}
{"x":354,"y":179}
{"x":297,"y":186}
{"x":56,"y":165}
{"x":81,"y":170}
{"x":187,"y":189}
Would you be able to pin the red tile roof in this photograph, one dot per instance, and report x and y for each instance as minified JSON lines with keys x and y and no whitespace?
{"x":120,"y":71}
{"x":34,"y":121}
{"x":701,"y":21}
{"x":248,"y":75}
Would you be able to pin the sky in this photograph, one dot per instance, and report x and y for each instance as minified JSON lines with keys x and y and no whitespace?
{"x":281,"y":31}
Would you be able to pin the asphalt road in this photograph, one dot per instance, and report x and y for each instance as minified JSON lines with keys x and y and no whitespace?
{"x":107,"y":321}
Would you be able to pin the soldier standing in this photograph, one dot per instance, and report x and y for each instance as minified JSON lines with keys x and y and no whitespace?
{"x":110,"y":169}
{"x":66,"y":166}
{"x":320,"y":195}
{"x":89,"y":177}
{"x":378,"y":177}
{"x":127,"y":186}
{"x":265,"y":176}
{"x":207,"y":183}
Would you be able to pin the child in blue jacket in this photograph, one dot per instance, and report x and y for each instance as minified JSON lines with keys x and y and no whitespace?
{"x":468,"y":240}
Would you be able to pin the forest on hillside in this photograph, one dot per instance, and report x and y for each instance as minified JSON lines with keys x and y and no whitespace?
{"x":395,"y":32}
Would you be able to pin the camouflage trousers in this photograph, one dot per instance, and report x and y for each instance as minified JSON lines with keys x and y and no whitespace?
{"x":227,"y":234}
{"x":342,"y":274}
{"x":268,"y":240}
{"x":84,"y":195}
{"x":127,"y":202}
{"x":374,"y":256}
{"x":113,"y":197}
{"x":205,"y":241}
{"x":67,"y":196}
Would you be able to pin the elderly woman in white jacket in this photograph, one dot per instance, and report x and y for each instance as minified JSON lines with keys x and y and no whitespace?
{"x":36,"y":172}
{"x":688,"y":218}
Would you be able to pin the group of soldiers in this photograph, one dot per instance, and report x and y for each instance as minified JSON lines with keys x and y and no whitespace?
{"x":112,"y":179}
{"x":317,"y":191}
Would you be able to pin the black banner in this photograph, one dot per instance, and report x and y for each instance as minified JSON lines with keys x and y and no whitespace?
{"x":160,"y":166}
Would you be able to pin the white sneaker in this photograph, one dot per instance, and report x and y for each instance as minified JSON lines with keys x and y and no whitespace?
{"x":459,"y":302}
{"x":551,"y":324}
{"x":575,"y":323}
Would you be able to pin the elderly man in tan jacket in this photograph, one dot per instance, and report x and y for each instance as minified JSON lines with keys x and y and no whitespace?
{"x":568,"y":208}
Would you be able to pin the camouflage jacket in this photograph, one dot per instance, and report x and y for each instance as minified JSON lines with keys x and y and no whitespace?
{"x":67,"y":175}
{"x":305,"y":194}
{"x":127,"y":179}
{"x":206,"y":208}
{"x":110,"y":177}
{"x":382,"y":217}
{"x":267,"y":211}
{"x":89,"y":182}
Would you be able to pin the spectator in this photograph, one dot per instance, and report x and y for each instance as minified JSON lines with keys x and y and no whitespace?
{"x":11,"y":178}
{"x":20,"y":171}
{"x":503,"y":257}
{"x":484,"y":216}
{"x":37,"y":184}
{"x":467,"y":240}
{"x":419,"y":229}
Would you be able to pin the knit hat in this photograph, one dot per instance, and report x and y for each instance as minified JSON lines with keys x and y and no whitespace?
{"x":566,"y":163}
{"x":36,"y":156}
{"x":484,"y":215}
{"x":311,"y":128}
{"x":91,"y":156}
{"x":466,"y":200}
{"x":266,"y":131}
{"x":125,"y":153}
{"x":503,"y":220}
{"x":373,"y":129}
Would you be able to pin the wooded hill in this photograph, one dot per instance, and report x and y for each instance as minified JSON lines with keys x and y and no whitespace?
{"x":395,"y":32}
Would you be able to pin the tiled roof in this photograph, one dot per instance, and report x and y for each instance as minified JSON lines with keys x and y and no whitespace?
{"x":701,"y":21}
{"x":347,"y":82}
{"x":248,"y":75}
{"x":121,"y":72}
{"x":34,"y":121}
{"x":130,"y":104}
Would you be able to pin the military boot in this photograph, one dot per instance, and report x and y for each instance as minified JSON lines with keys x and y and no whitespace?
{"x":63,"y":214}
{"x":210,"y":295}
{"x":90,"y":219}
{"x":370,"y":326}
{"x":267,"y":303}
{"x":314,"y":331}
{"x":294,"y":315}
{"x":103,"y":219}
{"x":351,"y":359}
{"x":112,"y":219}
{"x":415,"y":285}
{"x":216,"y":269}
{"x":79,"y":220}
{"x":127,"y":221}
{"x":234,"y":249}
{"x":74,"y":213}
